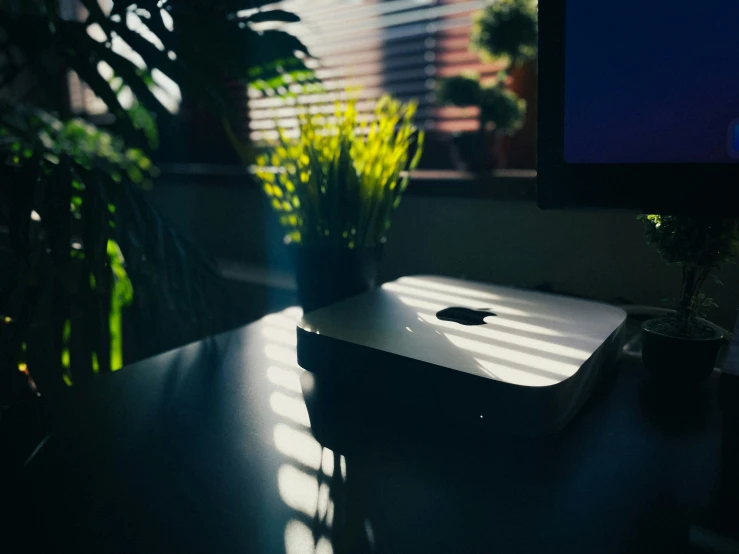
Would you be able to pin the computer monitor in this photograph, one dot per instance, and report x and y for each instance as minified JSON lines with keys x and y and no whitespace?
{"x":639,"y":105}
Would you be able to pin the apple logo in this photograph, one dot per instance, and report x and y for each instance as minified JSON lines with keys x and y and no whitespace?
{"x":465,"y":316}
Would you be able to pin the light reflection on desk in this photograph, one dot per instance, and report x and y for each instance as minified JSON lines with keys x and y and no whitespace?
{"x":303,"y":480}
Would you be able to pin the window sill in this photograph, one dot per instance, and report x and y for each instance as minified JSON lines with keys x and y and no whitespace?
{"x":504,"y":184}
{"x":256,"y":274}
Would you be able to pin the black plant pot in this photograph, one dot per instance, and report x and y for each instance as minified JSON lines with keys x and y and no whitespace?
{"x":679,"y":360}
{"x":328,"y":274}
{"x":472,"y":152}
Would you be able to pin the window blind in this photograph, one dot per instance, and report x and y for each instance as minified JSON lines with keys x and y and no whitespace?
{"x":402,"y":47}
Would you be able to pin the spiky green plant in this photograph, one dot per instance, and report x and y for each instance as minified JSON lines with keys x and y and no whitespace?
{"x":340,"y":181}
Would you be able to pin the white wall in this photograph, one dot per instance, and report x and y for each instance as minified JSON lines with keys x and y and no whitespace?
{"x":595,"y":254}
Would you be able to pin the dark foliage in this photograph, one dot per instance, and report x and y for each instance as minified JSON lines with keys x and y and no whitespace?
{"x":507,"y":29}
{"x":82,"y":241}
{"x":700,"y":245}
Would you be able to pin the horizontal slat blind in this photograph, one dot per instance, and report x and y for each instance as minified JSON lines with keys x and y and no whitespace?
{"x":402,"y":47}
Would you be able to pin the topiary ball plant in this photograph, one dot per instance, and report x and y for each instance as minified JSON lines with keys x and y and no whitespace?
{"x":498,"y":105}
{"x":503,"y":107}
{"x":507,"y":30}
{"x":462,"y":91}
{"x":700,"y":245}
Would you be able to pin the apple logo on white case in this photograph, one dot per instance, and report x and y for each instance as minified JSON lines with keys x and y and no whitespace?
{"x":465,"y":316}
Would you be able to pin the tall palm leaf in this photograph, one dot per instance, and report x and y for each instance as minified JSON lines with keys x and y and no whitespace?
{"x":193,"y":42}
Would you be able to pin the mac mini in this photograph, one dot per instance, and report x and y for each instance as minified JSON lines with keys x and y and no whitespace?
{"x":520,"y":361}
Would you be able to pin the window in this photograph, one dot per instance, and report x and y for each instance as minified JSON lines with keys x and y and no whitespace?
{"x":403,"y":47}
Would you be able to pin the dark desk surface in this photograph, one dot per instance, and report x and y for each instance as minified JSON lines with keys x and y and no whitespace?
{"x":210,"y":449}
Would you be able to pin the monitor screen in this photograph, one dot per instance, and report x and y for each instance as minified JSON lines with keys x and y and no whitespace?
{"x":651,"y":82}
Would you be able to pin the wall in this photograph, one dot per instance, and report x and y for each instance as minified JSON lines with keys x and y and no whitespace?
{"x":595,"y":254}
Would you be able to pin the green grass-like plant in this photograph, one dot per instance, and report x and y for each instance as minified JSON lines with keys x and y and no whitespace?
{"x":339,"y":183}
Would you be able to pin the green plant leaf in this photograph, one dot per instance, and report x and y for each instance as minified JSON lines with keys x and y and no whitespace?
{"x":271,"y":15}
{"x":102,"y":89}
{"x":462,"y":90}
{"x":340,"y":181}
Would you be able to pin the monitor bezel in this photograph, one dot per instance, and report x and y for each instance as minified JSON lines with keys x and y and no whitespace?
{"x":648,"y":188}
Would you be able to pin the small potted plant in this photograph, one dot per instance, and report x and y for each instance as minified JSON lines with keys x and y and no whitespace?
{"x":505,"y":33}
{"x":335,"y":189}
{"x":683,"y":347}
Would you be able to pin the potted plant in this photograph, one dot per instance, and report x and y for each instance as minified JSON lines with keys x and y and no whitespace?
{"x":83,"y":254}
{"x":335,"y":189}
{"x":683,"y":347}
{"x":505,"y":33}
